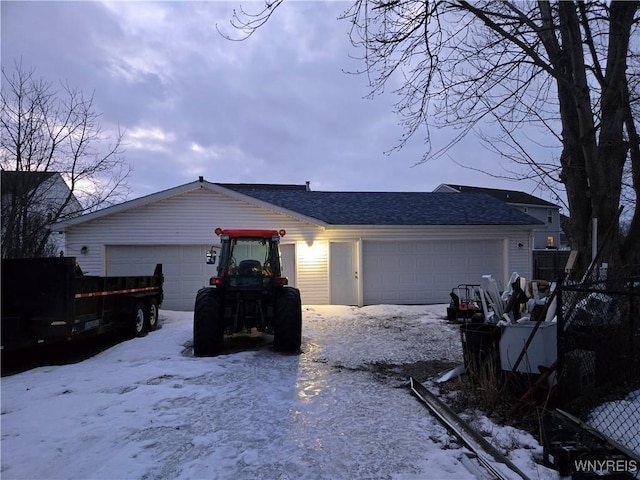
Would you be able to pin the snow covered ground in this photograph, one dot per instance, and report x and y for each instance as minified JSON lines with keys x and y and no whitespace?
{"x":147,"y":409}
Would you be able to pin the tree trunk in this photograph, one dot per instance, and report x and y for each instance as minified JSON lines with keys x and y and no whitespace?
{"x":593,"y":159}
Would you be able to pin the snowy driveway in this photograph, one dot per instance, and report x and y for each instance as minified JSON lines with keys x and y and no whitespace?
{"x":147,"y":409}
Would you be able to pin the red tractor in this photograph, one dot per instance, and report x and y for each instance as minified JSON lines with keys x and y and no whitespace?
{"x":248,"y":292}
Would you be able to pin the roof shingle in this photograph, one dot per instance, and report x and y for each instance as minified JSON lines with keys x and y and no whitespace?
{"x":394,"y":208}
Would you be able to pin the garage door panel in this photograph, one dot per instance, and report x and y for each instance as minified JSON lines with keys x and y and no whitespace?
{"x":425,"y":271}
{"x":184,"y":267}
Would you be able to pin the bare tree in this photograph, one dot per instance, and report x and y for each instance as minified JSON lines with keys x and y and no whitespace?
{"x":48,"y":135}
{"x":567,"y":70}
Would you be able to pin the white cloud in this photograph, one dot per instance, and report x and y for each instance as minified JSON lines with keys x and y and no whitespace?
{"x":153,"y":139}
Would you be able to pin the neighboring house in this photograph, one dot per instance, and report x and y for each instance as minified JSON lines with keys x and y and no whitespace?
{"x":30,"y":203}
{"x":549,"y":234}
{"x":353,"y":248}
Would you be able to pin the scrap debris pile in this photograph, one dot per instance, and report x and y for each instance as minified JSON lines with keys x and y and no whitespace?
{"x":522,"y":301}
{"x":512,"y":335}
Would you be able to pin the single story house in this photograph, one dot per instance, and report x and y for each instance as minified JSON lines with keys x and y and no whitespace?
{"x":353,"y":248}
{"x":548,"y":234}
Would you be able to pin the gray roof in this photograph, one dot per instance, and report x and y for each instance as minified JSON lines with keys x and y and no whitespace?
{"x":22,"y":181}
{"x":394,"y":208}
{"x":263,"y":186}
{"x":508,"y":196}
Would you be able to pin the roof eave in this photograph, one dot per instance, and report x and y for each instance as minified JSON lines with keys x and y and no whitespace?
{"x":439,"y":225}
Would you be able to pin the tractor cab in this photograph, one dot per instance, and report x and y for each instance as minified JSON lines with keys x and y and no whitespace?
{"x":247,"y":259}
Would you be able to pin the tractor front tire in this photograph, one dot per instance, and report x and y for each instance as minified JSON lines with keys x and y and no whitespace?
{"x":208,"y":326}
{"x":288,"y":332}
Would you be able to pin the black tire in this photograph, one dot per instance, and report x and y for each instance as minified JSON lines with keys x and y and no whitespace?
{"x":208,"y":326}
{"x":288,"y":332}
{"x":152,"y":315}
{"x":138,"y":320}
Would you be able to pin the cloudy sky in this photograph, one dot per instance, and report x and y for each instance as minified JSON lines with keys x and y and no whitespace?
{"x":277,"y":108}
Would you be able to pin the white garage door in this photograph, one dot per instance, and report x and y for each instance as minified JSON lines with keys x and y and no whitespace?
{"x":425,"y":272}
{"x":184,"y":267}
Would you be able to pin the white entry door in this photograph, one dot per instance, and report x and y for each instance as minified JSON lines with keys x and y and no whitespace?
{"x":344,"y":273}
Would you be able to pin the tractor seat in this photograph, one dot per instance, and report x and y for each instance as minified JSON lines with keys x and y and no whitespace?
{"x":248,"y":267}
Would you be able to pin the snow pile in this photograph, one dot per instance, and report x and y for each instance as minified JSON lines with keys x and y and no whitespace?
{"x":147,"y":408}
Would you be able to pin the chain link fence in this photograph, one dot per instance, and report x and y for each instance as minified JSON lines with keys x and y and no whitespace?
{"x":599,"y":352}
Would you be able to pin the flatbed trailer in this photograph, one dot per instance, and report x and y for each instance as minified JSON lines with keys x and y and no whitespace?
{"x":50,"y":300}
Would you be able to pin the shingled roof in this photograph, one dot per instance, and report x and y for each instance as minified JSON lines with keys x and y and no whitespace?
{"x":508,"y":196}
{"x":263,"y":186}
{"x":393,"y":208}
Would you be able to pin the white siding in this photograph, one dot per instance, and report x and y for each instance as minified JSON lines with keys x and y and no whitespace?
{"x":313,"y":272}
{"x":186,"y":219}
{"x":521,"y":259}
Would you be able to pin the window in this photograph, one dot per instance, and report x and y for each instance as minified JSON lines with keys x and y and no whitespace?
{"x":549,"y":216}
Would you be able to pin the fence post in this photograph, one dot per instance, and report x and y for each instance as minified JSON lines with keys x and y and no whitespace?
{"x":560,"y":340}
{"x":632,"y":325}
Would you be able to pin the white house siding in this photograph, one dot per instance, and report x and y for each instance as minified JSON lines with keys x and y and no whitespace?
{"x":313,"y":271}
{"x":519,"y":251}
{"x":172,"y":228}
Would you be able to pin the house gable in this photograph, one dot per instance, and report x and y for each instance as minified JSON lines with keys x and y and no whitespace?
{"x":549,"y":230}
{"x":164,"y":195}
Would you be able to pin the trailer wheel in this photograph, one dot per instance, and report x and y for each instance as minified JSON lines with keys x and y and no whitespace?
{"x":288,"y":332}
{"x":139,"y":320}
{"x":208,"y":325}
{"x":152,"y":315}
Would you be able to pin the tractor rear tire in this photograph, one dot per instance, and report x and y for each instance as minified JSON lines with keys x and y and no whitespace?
{"x":288,"y":332}
{"x":208,"y":326}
